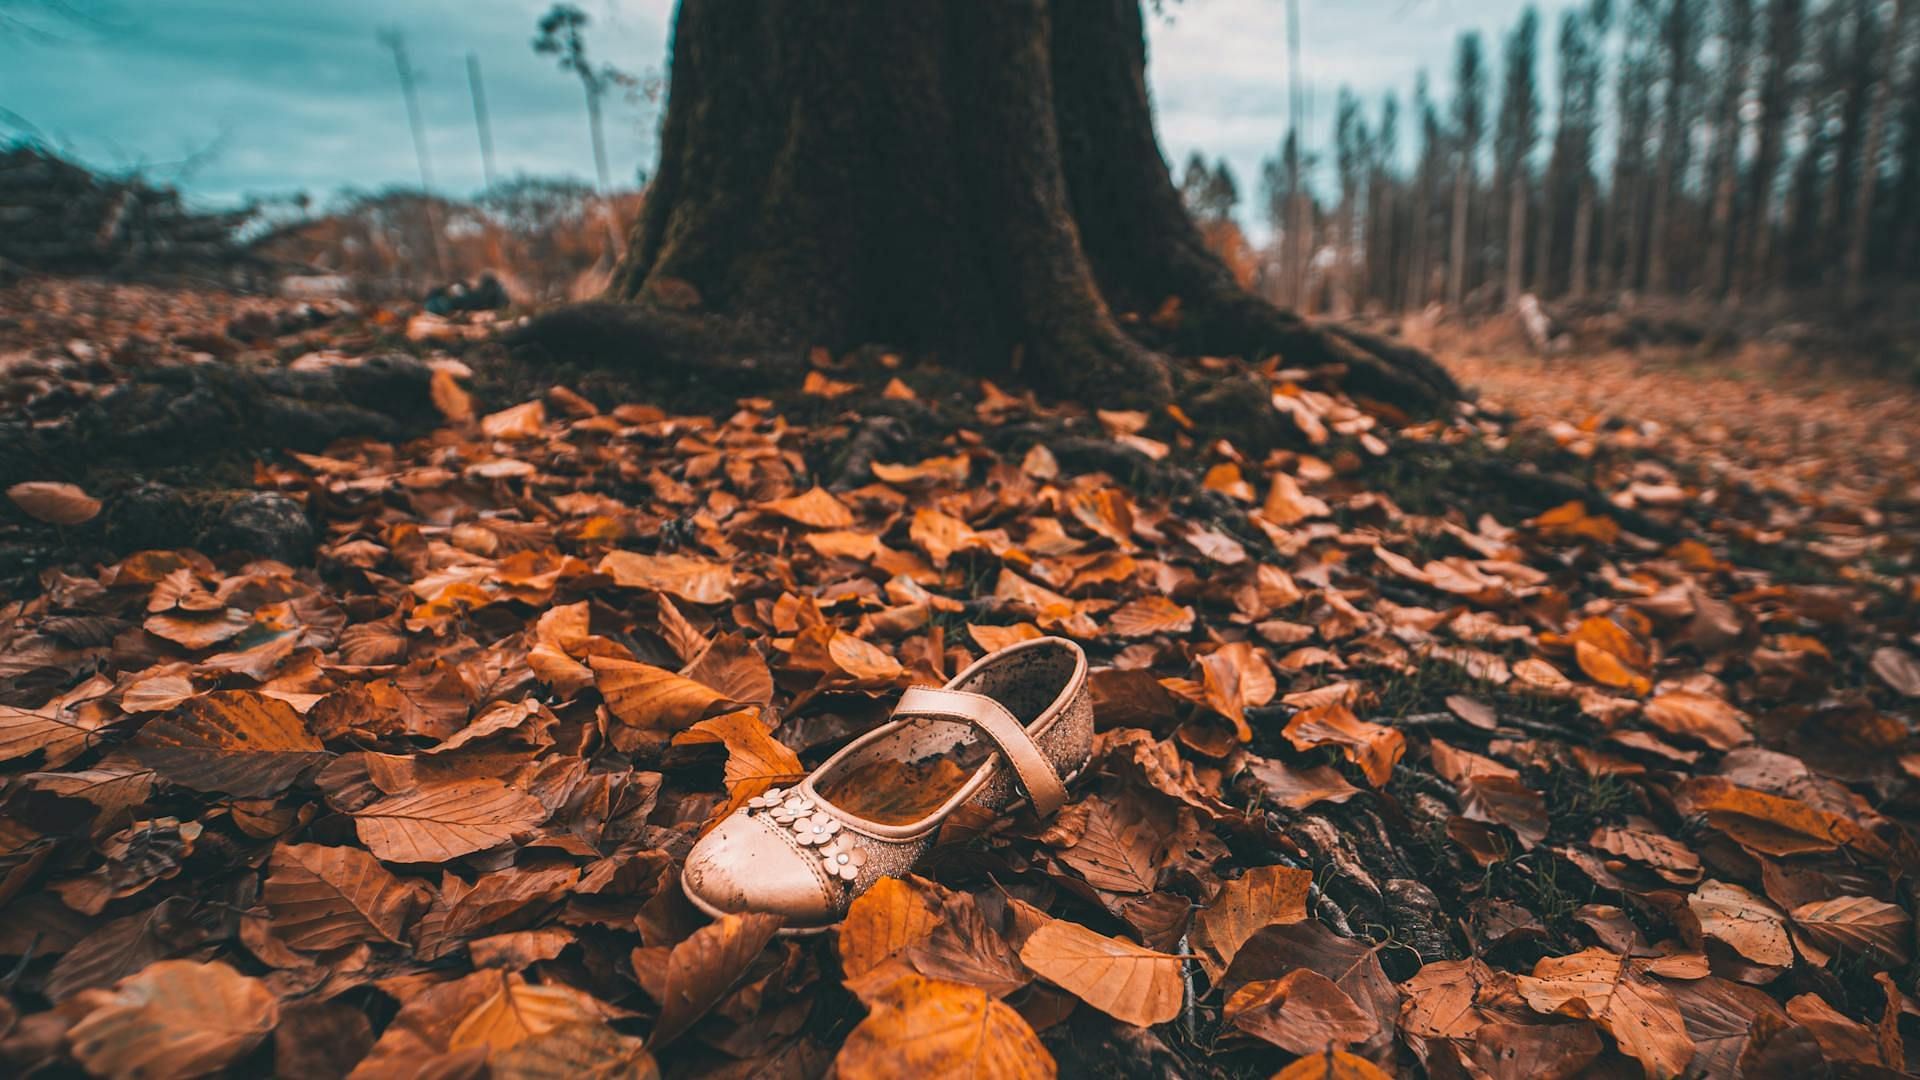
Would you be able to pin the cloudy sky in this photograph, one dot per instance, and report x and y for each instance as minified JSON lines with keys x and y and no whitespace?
{"x":233,"y":97}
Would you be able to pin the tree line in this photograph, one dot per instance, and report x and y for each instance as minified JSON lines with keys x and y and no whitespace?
{"x":1728,"y":149}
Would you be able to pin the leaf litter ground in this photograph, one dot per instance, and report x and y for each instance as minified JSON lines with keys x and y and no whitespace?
{"x":1577,"y":741}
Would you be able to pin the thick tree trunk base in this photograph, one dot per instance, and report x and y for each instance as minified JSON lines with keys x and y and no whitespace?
{"x":978,"y":185}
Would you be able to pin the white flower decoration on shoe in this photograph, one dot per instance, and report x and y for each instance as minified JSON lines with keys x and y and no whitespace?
{"x":794,"y":807}
{"x":816,"y":829}
{"x":844,"y":857}
{"x":766,"y":800}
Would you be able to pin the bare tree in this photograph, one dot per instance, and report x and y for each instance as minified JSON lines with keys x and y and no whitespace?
{"x":1469,"y":122}
{"x":1736,"y":35}
{"x":1883,"y":76}
{"x":1517,"y":133}
{"x":563,"y":34}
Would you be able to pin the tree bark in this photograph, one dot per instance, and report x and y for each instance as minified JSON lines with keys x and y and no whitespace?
{"x":1738,"y":14}
{"x":1883,"y":75}
{"x":1516,"y":236}
{"x":980,"y":184}
{"x":1457,"y":250}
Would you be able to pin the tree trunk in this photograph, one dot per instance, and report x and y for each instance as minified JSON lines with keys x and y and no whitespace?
{"x":1516,"y":235}
{"x":1727,"y":147}
{"x":1884,"y":74}
{"x":940,"y":178}
{"x":1457,"y":250}
{"x":1582,"y":240}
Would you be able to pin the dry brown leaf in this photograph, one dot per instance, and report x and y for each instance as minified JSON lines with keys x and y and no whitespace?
{"x":583,"y":1050}
{"x":514,"y":1010}
{"x":883,"y":922}
{"x":1302,"y":1012}
{"x":1117,"y":847}
{"x":1747,"y":923}
{"x":693,"y":579}
{"x":1608,"y":669}
{"x":1595,"y":984}
{"x":446,"y":821}
{"x":1353,"y":965}
{"x":816,"y":509}
{"x":54,"y":503}
{"x":233,"y":741}
{"x":59,"y":734}
{"x":1374,"y":748}
{"x":1151,"y":615}
{"x":1898,"y":669}
{"x":928,"y":1028}
{"x":756,"y":760}
{"x":1131,"y":984}
{"x":177,"y":1018}
{"x":654,"y":699}
{"x":1770,"y":824}
{"x":1860,"y":926}
{"x":704,"y":967}
{"x":324,"y":897}
{"x":1263,"y":896}
{"x":1331,"y":1065}
{"x":1297,"y":788}
{"x":1698,"y":716}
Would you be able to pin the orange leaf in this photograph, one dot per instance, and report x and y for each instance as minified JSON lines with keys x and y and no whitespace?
{"x":692,"y":579}
{"x":1149,"y":615}
{"x":653,"y":699}
{"x":234,"y":741}
{"x":883,"y":922}
{"x":446,"y":821}
{"x":1746,"y":923}
{"x":703,"y":968}
{"x":54,"y":503}
{"x":815,"y":509}
{"x":1372,"y":747}
{"x":1131,"y":984}
{"x":324,"y":897}
{"x":177,"y":1018}
{"x":1302,"y":1012}
{"x":1265,"y":895}
{"x":1600,"y":986}
{"x":1699,"y":716}
{"x":931,"y":1028}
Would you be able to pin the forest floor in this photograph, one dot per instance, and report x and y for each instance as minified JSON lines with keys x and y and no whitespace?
{"x":1570,"y":735}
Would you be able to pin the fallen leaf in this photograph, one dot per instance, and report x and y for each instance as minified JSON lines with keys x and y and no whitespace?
{"x":1302,"y":1012}
{"x":1699,"y":716}
{"x":177,"y":1018}
{"x":704,"y":967}
{"x":1600,"y":986}
{"x":692,"y":579}
{"x":1331,"y":1065}
{"x":325,"y":897}
{"x":1263,"y":896}
{"x":1747,"y":923}
{"x":1131,"y":984}
{"x":928,"y":1028}
{"x":53,"y":502}
{"x":446,"y":821}
{"x":1860,"y":926}
{"x":1375,"y":749}
{"x":233,"y":741}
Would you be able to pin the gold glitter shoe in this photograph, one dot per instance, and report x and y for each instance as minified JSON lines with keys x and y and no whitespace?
{"x":1013,"y":727}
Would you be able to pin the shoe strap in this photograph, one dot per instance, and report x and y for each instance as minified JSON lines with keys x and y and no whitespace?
{"x":1030,"y":764}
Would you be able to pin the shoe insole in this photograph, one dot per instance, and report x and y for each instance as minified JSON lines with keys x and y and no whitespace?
{"x":902,"y":792}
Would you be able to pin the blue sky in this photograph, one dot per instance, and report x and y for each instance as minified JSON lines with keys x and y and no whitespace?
{"x":232,"y":97}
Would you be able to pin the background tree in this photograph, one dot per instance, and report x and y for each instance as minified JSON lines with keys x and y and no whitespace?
{"x":1469,"y":124}
{"x":1639,"y":63}
{"x":1678,"y":47}
{"x":563,"y":35}
{"x":1351,"y":157}
{"x":1432,"y":153}
{"x":1515,"y":136}
{"x":1729,"y":131}
{"x":981,"y":183}
{"x":1784,"y":27}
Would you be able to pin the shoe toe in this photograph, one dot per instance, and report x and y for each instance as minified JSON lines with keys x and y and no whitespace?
{"x":745,"y":865}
